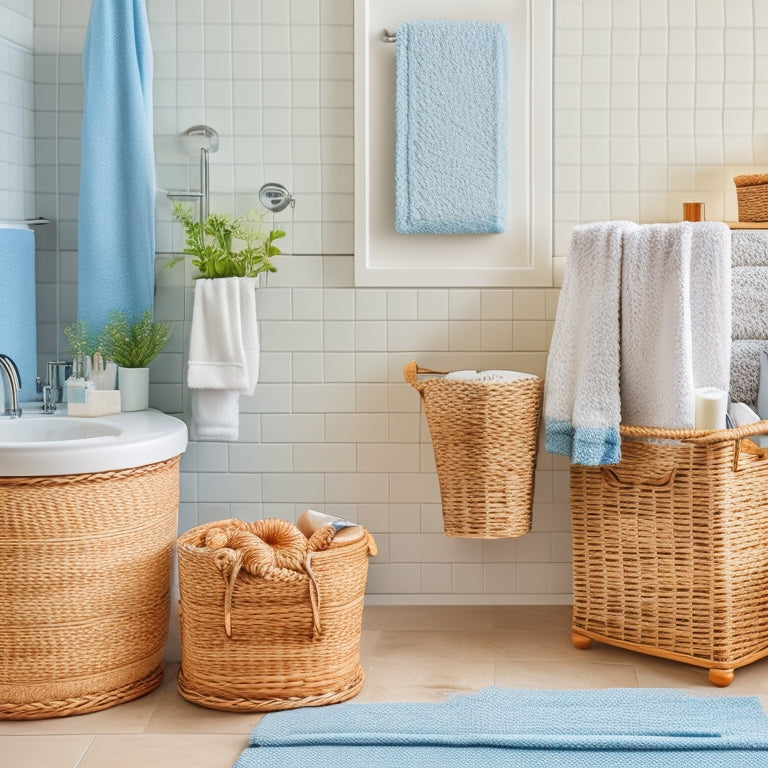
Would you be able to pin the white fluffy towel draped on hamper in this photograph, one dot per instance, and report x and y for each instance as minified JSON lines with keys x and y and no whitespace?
{"x":223,"y":355}
{"x":644,"y":320}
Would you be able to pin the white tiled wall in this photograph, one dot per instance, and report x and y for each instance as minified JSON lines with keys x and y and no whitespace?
{"x":17,"y":104}
{"x":656,"y":102}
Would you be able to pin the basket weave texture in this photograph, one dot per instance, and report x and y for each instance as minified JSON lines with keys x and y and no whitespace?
{"x":484,"y":438}
{"x":670,"y":547}
{"x":752,"y":196}
{"x":85,"y":588}
{"x":260,"y":635}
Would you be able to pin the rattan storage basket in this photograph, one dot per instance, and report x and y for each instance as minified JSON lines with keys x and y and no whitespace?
{"x":752,"y":196}
{"x":86,"y":570}
{"x":268,"y":642}
{"x":484,"y":438}
{"x":670,"y":548}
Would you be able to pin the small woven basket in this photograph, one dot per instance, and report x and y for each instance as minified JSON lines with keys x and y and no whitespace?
{"x":258,"y":643}
{"x":484,"y":438}
{"x":752,"y":196}
{"x":670,"y":547}
{"x":86,"y":572}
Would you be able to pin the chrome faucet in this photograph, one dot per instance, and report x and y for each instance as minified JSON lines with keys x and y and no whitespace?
{"x":14,"y":385}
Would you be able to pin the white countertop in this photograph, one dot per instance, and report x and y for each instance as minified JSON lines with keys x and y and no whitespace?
{"x":39,"y":444}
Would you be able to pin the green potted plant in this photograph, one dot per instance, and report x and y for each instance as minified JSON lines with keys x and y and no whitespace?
{"x":228,"y":246}
{"x":133,"y":345}
{"x":83,"y":343}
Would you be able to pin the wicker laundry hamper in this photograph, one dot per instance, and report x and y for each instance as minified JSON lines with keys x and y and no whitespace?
{"x":484,"y":438}
{"x":670,"y":548}
{"x":86,"y":569}
{"x":752,"y":196}
{"x":269,"y":622}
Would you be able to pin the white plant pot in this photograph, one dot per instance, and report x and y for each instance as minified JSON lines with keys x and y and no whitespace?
{"x":133,"y":384}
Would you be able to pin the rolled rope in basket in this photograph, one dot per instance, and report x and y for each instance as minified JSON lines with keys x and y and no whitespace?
{"x":270,"y":619}
{"x":273,"y":549}
{"x":86,"y":563}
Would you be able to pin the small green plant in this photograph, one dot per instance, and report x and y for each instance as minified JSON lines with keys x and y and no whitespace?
{"x":82,"y":342}
{"x":211,"y":243}
{"x":133,"y":344}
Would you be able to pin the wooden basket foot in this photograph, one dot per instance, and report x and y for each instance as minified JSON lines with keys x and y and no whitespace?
{"x":721,"y":677}
{"x":580,"y":641}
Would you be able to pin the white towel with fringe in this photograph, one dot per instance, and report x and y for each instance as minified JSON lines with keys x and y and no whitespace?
{"x":581,"y":391}
{"x":223,"y":354}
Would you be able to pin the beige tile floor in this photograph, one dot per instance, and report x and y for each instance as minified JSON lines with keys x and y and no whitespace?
{"x":409,"y":654}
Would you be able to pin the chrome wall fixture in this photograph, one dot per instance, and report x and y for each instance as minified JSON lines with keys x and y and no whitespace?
{"x":198,"y":141}
{"x":201,"y":140}
{"x":275,"y":197}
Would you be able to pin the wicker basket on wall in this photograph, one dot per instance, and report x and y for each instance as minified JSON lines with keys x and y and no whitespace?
{"x":484,"y":438}
{"x":752,"y":195}
{"x":86,"y":568}
{"x":670,"y":548}
{"x":261,"y":634}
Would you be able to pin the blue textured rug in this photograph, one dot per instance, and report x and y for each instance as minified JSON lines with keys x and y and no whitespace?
{"x":520,"y":728}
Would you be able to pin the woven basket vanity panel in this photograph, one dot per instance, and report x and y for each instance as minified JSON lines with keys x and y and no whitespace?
{"x":275,"y":657}
{"x":671,"y":550}
{"x":752,"y":196}
{"x":484,"y":438}
{"x":85,"y":588}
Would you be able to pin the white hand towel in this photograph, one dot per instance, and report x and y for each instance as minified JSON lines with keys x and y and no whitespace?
{"x":215,"y":415}
{"x":224,"y":342}
{"x":223,"y":354}
{"x":582,"y":398}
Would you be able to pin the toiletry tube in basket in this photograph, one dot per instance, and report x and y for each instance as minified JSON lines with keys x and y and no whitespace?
{"x":711,"y":407}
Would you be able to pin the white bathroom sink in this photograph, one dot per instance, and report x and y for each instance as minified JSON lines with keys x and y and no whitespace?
{"x":53,"y":429}
{"x":40,"y":444}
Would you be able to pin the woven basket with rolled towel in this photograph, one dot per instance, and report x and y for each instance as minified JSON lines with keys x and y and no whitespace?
{"x":484,"y":436}
{"x":270,"y":618}
{"x":752,"y":194}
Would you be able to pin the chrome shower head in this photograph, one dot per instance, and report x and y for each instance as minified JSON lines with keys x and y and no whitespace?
{"x":198,"y":137}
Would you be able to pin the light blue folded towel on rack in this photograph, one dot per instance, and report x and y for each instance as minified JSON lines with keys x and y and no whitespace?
{"x":116,"y":225}
{"x":451,"y":168}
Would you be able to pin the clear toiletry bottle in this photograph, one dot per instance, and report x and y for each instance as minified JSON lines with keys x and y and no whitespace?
{"x":78,"y":383}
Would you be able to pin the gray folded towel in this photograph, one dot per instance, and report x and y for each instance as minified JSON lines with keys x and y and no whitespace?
{"x":749,"y":293}
{"x":749,"y":290}
{"x":745,"y":370}
{"x":749,"y":248}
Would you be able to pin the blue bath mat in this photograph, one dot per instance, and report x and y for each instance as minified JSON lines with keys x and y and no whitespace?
{"x":495,"y":728}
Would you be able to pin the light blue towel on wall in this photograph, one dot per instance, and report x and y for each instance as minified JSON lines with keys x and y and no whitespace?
{"x":451,"y":168}
{"x":116,"y":227}
{"x":18,"y":317}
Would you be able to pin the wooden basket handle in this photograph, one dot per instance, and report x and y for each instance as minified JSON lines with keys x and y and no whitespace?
{"x":612,"y":479}
{"x":411,"y":373}
{"x":738,"y":435}
{"x":700,"y":437}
